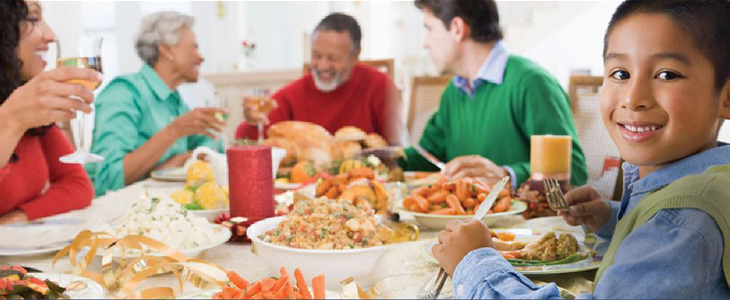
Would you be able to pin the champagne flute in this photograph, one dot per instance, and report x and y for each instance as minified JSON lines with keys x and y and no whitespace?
{"x":87,"y":55}
{"x":262,"y":104}
{"x":219,"y":101}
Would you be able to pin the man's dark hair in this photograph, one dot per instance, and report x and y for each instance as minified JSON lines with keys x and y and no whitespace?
{"x":704,"y":20}
{"x":480,"y":15}
{"x":341,"y":22}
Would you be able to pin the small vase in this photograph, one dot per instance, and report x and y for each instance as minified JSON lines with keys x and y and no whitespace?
{"x":244,"y":63}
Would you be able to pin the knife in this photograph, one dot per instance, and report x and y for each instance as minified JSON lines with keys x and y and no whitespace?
{"x":428,"y":156}
{"x":487,"y":203}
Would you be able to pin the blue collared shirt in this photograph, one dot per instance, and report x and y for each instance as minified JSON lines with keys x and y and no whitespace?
{"x":676,"y":254}
{"x":492,"y":70}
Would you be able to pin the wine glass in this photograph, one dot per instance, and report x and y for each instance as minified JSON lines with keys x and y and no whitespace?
{"x":87,"y":55}
{"x":261,"y":103}
{"x":219,"y":101}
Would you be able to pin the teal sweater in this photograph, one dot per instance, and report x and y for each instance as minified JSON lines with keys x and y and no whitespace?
{"x":498,"y":122}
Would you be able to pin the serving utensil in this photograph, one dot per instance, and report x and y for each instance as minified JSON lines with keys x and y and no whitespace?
{"x":428,"y":156}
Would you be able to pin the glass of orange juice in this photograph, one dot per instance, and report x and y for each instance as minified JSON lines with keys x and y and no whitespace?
{"x":87,"y":55}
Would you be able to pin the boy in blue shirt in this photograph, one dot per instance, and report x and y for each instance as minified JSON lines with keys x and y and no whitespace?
{"x":666,"y":93}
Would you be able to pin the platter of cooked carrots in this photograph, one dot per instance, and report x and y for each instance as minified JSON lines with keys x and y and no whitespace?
{"x":460,"y":197}
{"x":435,"y":205}
{"x":272,"y":287}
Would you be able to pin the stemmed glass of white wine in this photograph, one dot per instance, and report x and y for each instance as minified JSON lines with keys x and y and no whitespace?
{"x":87,"y":55}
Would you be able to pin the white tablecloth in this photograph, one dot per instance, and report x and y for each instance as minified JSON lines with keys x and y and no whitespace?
{"x":408,"y":269}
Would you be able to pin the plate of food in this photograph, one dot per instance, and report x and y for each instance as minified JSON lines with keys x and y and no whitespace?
{"x":17,"y":283}
{"x":41,"y":236}
{"x":435,"y":205}
{"x":551,"y":253}
{"x":169,"y":174}
{"x":335,"y":238}
{"x":202,"y":192}
{"x":160,"y":218}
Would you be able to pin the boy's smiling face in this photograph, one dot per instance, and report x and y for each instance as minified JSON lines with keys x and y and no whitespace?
{"x":659,"y":102}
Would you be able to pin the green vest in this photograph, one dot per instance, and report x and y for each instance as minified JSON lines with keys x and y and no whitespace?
{"x":708,"y":192}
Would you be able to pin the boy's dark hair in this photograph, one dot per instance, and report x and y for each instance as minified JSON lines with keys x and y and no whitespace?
{"x":341,"y":22}
{"x":705,"y":20}
{"x":482,"y":16}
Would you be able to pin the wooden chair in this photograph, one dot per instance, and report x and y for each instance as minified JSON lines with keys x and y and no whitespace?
{"x":425,"y":99}
{"x":386,"y":66}
{"x":600,"y":151}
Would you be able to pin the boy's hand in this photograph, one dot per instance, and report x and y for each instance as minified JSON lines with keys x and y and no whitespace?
{"x":457,"y":240}
{"x":586,"y":207}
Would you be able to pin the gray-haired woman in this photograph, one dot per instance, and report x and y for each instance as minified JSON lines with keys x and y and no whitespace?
{"x":142,"y":123}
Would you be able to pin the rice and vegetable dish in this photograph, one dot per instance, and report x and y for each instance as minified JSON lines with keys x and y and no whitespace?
{"x":328,"y":224}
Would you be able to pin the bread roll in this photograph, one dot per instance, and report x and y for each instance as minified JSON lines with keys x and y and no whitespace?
{"x":374,"y":140}
{"x":350,"y":133}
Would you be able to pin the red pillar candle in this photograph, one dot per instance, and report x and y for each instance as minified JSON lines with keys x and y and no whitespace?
{"x":250,"y":183}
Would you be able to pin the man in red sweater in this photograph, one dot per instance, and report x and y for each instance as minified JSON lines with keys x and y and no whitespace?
{"x":338,"y":92}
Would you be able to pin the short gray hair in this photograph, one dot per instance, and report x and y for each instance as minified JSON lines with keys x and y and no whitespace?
{"x":160,"y":28}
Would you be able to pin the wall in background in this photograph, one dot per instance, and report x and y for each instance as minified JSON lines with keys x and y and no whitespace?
{"x":562,"y":36}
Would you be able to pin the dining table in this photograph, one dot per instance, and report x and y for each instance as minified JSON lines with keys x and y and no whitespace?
{"x":407,"y":266}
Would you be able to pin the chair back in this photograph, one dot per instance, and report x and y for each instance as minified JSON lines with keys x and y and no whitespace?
{"x":602,"y":156}
{"x":425,"y":99}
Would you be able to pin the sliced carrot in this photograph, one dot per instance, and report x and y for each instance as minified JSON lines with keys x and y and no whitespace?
{"x":506,"y":236}
{"x":420,"y":191}
{"x":454,"y":203}
{"x":242,"y":294}
{"x":288,"y":289}
{"x":258,"y":296}
{"x":270,"y":295}
{"x":422,"y":202}
{"x":415,"y":208}
{"x":302,"y":284}
{"x":504,"y":193}
{"x":435,"y":187}
{"x":507,"y":256}
{"x":255,"y":288}
{"x":267,"y":284}
{"x":460,"y":189}
{"x":438,"y":197}
{"x":470,"y":202}
{"x":408,"y":201}
{"x":318,"y":287}
{"x":481,"y":197}
{"x":280,"y":283}
{"x":237,"y":280}
{"x":482,"y":189}
{"x":515,"y":254}
{"x":448,"y":186}
{"x":502,"y":205}
{"x":444,"y":211}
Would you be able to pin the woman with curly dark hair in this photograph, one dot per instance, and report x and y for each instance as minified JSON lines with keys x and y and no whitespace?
{"x":33,"y":182}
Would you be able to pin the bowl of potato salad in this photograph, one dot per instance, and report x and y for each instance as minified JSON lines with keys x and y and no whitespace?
{"x":160,"y":218}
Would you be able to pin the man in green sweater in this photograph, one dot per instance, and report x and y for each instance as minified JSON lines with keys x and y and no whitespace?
{"x":495,"y":102}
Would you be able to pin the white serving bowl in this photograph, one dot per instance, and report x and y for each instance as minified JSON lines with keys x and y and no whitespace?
{"x":366,"y":265}
{"x":438,"y":222}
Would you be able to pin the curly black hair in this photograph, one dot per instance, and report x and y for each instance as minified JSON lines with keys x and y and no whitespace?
{"x":12,"y":14}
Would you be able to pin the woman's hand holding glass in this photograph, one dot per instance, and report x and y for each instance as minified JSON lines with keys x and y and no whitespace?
{"x":45,"y":99}
{"x":199,"y":121}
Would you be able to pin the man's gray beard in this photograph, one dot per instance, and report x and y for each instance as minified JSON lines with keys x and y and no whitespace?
{"x":326,"y":87}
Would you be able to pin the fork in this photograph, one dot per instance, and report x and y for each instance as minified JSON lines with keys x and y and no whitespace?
{"x":554,"y":194}
{"x":432,"y":287}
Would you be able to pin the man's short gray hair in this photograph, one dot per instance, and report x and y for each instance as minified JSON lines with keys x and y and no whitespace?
{"x":160,"y":28}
